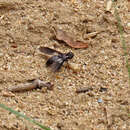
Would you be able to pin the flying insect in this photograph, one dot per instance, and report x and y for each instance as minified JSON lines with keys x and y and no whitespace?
{"x":57,"y":59}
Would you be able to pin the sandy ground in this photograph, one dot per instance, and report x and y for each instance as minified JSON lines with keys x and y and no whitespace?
{"x":25,"y":26}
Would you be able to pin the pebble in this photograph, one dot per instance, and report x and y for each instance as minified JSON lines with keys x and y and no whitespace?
{"x":109,"y":5}
{"x":75,"y":67}
{"x":100,"y":100}
{"x":103,"y":89}
{"x":90,"y":35}
{"x":128,"y":24}
{"x":105,"y":57}
{"x":1,"y":54}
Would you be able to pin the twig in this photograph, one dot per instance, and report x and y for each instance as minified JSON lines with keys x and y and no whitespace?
{"x":29,"y":86}
{"x":83,"y":90}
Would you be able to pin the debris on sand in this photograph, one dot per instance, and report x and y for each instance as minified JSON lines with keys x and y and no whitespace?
{"x":75,"y":67}
{"x":83,"y":90}
{"x":90,"y":35}
{"x":7,"y":5}
{"x":102,"y":89}
{"x":100,"y":100}
{"x":7,"y":94}
{"x":37,"y":83}
{"x":64,"y":36}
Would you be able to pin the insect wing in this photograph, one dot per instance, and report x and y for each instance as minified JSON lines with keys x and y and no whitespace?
{"x":49,"y":51}
{"x":50,"y":61}
{"x":56,"y":66}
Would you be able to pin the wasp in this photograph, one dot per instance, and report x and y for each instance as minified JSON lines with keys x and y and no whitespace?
{"x":57,"y":59}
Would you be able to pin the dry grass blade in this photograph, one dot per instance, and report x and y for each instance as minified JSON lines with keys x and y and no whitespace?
{"x":64,"y":36}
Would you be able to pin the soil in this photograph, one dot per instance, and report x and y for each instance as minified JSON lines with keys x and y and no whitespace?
{"x":25,"y":25}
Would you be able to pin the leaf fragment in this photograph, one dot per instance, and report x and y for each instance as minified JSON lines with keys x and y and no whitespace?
{"x":64,"y":36}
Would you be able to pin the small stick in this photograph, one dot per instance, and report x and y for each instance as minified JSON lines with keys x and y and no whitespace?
{"x":83,"y":90}
{"x":90,"y":35}
{"x":29,"y":86}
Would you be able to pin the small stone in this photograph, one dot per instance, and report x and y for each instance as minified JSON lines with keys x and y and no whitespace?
{"x":60,"y":125}
{"x":44,"y":90}
{"x":106,"y":57}
{"x":51,"y":112}
{"x":89,"y":18}
{"x":108,"y":98}
{"x":100,"y":101}
{"x":1,"y":54}
{"x":90,"y":35}
{"x":102,"y":51}
{"x":75,"y":67}
{"x":103,"y":89}
{"x":109,"y":5}
{"x":128,"y":24}
{"x":91,"y":94}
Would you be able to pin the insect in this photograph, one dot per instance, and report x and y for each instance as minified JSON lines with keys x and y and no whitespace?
{"x":56,"y":61}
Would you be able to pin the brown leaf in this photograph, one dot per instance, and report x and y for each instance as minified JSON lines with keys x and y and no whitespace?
{"x":63,"y":36}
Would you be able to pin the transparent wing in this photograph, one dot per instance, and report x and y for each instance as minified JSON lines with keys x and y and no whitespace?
{"x":56,"y":66}
{"x":50,"y":61}
{"x":49,"y":51}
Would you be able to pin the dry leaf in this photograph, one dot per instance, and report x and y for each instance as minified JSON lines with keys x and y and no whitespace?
{"x":63,"y":36}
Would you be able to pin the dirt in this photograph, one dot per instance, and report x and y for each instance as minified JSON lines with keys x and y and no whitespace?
{"x":26,"y":25}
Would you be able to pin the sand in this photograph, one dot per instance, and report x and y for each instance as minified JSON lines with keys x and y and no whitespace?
{"x":25,"y":26}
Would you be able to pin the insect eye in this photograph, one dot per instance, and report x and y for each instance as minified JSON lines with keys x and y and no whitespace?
{"x":70,"y":55}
